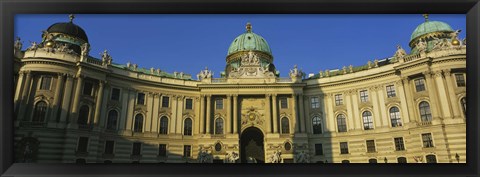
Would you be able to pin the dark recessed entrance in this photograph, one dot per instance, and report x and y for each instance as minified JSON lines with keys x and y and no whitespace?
{"x":251,"y":145}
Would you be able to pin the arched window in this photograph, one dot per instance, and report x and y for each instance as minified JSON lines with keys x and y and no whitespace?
{"x":317,"y":125}
{"x":431,"y":158}
{"x":341,"y":123}
{"x":83,"y":115}
{"x":464,"y":106}
{"x":138,"y":125}
{"x":219,"y":126}
{"x":112,"y":120}
{"x":40,"y":112}
{"x":372,"y":160}
{"x":367,"y":120}
{"x":425,"y":114}
{"x":187,"y":129}
{"x":164,"y":125}
{"x":285,"y":126}
{"x":402,"y":160}
{"x":395,"y":117}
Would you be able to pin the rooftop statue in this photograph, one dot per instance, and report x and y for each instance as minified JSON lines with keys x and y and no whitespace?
{"x":400,"y":53}
{"x":296,"y":73}
{"x":17,"y":46}
{"x":33,"y":46}
{"x":421,"y":46}
{"x":85,"y":49}
{"x":204,"y":74}
{"x":302,"y":157}
{"x":106,"y":58}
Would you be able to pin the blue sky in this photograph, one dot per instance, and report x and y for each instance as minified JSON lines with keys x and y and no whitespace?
{"x":188,"y":43}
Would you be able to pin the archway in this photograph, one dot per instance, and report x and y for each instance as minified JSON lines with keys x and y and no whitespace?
{"x":251,"y":145}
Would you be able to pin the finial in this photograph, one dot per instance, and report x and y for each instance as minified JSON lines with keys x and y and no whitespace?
{"x":71,"y":17}
{"x":249,"y":27}
{"x":426,"y":17}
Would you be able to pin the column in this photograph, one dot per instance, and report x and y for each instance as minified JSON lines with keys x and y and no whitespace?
{"x":376,"y":114}
{"x":295,"y":118}
{"x":18,"y":90}
{"x":25,"y":92}
{"x":149,"y":116}
{"x":197,"y":119}
{"x":403,"y":101}
{"x":435,"y":108}
{"x":456,"y":108}
{"x":235,"y":114}
{"x":202,"y":114}
{"x":130,"y":109}
{"x":308,"y":119}
{"x":208,"y":116}
{"x":274,"y":111}
{"x":180,"y":114}
{"x":348,"y":104}
{"x":76,"y":98}
{"x":268,"y":117}
{"x":357,"y":121}
{"x":442,"y":95}
{"x":409,"y":94}
{"x":124,"y":112}
{"x":67,"y":94}
{"x":229,"y":115}
{"x":301,"y":112}
{"x":383,"y":110}
{"x":155,"y":118}
{"x":331,"y":125}
{"x":98,"y":103}
{"x":103,"y":108}
{"x":56,"y":99}
{"x":174,"y":114}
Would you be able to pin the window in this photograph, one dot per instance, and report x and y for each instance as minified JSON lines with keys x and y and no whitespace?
{"x":419,"y":85}
{"x":427,"y":140}
{"x":364,"y":96}
{"x":165,"y":101}
{"x":40,"y":112}
{"x":83,"y":115}
{"x":395,"y":117}
{"x":112,"y":120}
{"x":115,"y":94}
{"x":343,"y":148}
{"x":399,"y":146}
{"x":187,"y":150}
{"x":367,"y":120}
{"x":219,"y":126}
{"x":318,"y":149}
{"x":317,"y":125}
{"x":372,"y":160}
{"x":425,"y":114}
{"x":288,"y":146}
{"x":431,"y":159}
{"x":464,"y":106}
{"x":188,"y":103}
{"x":341,"y":123}
{"x":162,"y":150}
{"x":402,"y":160}
{"x":370,"y":145}
{"x":391,"y":91}
{"x":219,"y":103}
{"x":138,"y":125}
{"x":285,"y":126}
{"x":163,"y":125}
{"x":45,"y":83}
{"x":345,"y":161}
{"x":88,"y":88}
{"x":137,"y":148}
{"x":82,"y":144}
{"x":109,"y":147}
{"x":187,"y":129}
{"x":315,"y":102}
{"x":283,"y":103}
{"x":338,"y":99}
{"x":218,"y":147}
{"x":141,"y":98}
{"x":460,"y":80}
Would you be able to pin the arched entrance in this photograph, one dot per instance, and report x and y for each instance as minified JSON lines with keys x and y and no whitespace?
{"x":251,"y":145}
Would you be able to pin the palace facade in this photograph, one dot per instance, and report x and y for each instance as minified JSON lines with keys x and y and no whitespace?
{"x":71,"y":107}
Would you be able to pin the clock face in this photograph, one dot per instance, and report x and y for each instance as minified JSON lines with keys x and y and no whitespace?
{"x":252,"y":116}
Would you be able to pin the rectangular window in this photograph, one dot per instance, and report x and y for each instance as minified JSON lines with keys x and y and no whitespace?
{"x":45,"y":82}
{"x":343,"y":148}
{"x":370,"y":145}
{"x":219,"y":103}
{"x":364,"y":96}
{"x":82,"y":144}
{"x":427,"y":140}
{"x":399,"y":146}
{"x":88,"y":88}
{"x":109,"y":147}
{"x":187,"y":150}
{"x":419,"y":85}
{"x":165,"y":101}
{"x":188,"y":103}
{"x":137,"y":147}
{"x":315,"y":102}
{"x":338,"y":99}
{"x":115,"y":94}
{"x":162,"y":150}
{"x":141,"y":98}
{"x":391,"y":91}
{"x":460,"y":80}
{"x":283,"y":103}
{"x":318,"y":149}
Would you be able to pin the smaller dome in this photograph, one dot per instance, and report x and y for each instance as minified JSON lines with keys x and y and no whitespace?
{"x":249,"y":41}
{"x":69,"y":28}
{"x":429,"y":27}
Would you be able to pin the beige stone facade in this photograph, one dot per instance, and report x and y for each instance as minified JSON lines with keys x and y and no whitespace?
{"x":72,"y":107}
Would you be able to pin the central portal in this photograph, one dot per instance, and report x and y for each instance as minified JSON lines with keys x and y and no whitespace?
{"x":251,"y":147}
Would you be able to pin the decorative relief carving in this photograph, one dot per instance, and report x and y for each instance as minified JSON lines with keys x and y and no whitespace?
{"x":250,"y":68}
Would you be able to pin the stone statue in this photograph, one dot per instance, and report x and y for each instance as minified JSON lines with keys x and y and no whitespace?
{"x":27,"y":153}
{"x":158,"y":71}
{"x":344,"y":70}
{"x":63,"y":47}
{"x":302,"y":157}
{"x":34,"y":46}
{"x":375,"y":62}
{"x":369,"y":63}
{"x":204,"y":156}
{"x":351,"y":68}
{"x":400,"y":53}
{"x":181,"y":74}
{"x":251,"y":160}
{"x":296,"y":73}
{"x":106,"y":58}
{"x":128,"y":65}
{"x":464,"y":41}
{"x":204,"y":74}
{"x":250,"y":59}
{"x":135,"y":66}
{"x":85,"y":49}
{"x":231,"y":157}
{"x":275,"y":157}
{"x":418,"y":159}
{"x":327,"y":73}
{"x":454,"y":35}
{"x":152,"y":70}
{"x":17,"y":46}
{"x":421,"y":46}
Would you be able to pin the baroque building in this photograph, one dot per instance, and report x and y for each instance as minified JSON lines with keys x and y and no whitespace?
{"x":71,"y":107}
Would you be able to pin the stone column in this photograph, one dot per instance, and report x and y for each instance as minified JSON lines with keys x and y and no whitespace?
{"x":197,"y":120}
{"x":295,"y":120}
{"x":124,"y":112}
{"x":208,"y":116}
{"x":383,"y":110}
{"x":67,"y":99}
{"x":56,"y":99}
{"x":348,"y":103}
{"x":98,"y":103}
{"x":103,"y":108}
{"x":132,"y":94}
{"x":202,"y":114}
{"x":301,"y":112}
{"x":331,"y":125}
{"x":18,"y":90}
{"x":432,"y":93}
{"x":456,"y":108}
{"x":149,"y":105}
{"x":274,"y":111}
{"x":229,"y":115}
{"x":409,"y":94}
{"x":442,"y":95}
{"x":376,"y":108}
{"x":268,"y":117}
{"x":308,"y":119}
{"x":403,"y":101}
{"x":156,"y":118}
{"x":174,"y":115}
{"x":76,"y":102}
{"x":356,"y":119}
{"x":24,"y":97}
{"x":180,"y":115}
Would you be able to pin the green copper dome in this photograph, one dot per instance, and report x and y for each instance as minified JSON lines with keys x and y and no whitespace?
{"x":429,"y":27}
{"x":249,"y":41}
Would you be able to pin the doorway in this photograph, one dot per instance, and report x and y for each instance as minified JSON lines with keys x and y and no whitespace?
{"x":251,"y":145}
